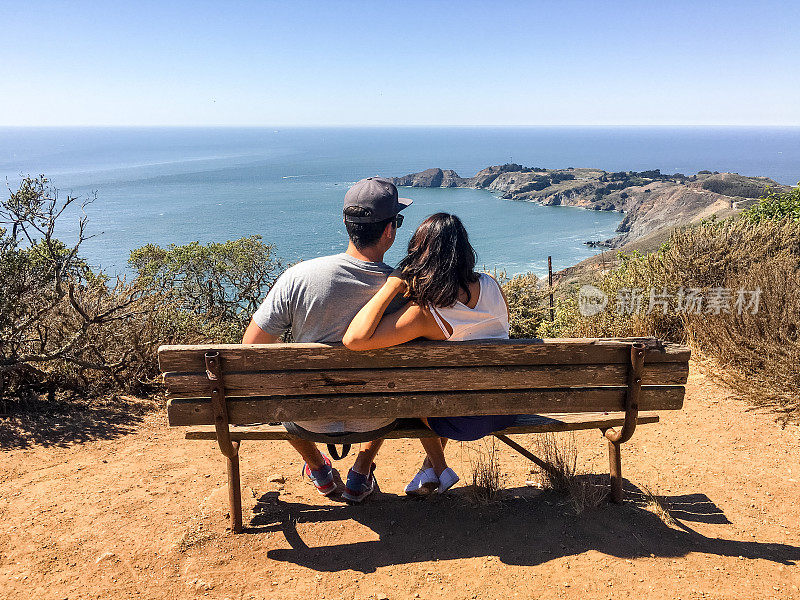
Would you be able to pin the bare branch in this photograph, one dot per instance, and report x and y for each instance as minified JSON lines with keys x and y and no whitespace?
{"x":77,"y":306}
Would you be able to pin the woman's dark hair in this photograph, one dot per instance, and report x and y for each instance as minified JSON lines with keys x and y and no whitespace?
{"x":440,"y":261}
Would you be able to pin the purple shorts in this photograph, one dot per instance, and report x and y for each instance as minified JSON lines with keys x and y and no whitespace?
{"x":467,"y":429}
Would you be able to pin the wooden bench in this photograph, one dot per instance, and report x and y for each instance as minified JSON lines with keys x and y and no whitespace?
{"x":559,"y":384}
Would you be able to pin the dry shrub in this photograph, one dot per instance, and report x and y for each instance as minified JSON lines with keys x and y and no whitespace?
{"x":636,"y":272}
{"x":487,"y":482}
{"x":63,"y":327}
{"x":710,"y":254}
{"x":584,"y":491}
{"x":98,"y":337}
{"x":67,"y":330}
{"x":758,"y":354}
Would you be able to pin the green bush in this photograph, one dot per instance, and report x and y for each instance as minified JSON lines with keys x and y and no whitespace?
{"x":213,"y":289}
{"x":68,"y":331}
{"x":775,"y":206}
{"x":526,"y":304}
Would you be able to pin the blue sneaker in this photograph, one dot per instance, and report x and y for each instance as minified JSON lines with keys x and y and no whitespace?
{"x":359,"y":486}
{"x":321,"y":478}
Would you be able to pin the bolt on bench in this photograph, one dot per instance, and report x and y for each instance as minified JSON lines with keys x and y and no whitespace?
{"x":556,"y":384}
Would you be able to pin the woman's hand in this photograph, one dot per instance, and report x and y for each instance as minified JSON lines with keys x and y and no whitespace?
{"x":396,"y":284}
{"x":370,"y":329}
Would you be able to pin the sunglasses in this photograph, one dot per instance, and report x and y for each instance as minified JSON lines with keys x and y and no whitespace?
{"x":398,"y":221}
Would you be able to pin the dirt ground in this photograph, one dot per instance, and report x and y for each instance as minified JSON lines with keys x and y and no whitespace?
{"x":122,"y":506}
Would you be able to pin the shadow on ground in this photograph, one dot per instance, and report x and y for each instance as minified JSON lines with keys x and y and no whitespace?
{"x":63,"y":424}
{"x":529,"y":527}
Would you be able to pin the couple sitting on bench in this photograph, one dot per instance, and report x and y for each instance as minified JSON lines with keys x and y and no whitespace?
{"x":356,"y":298}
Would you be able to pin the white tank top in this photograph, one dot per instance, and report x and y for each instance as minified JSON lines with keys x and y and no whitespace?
{"x":489,"y":318}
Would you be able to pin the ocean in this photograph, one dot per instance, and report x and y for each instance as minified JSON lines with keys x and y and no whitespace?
{"x":176,"y":185}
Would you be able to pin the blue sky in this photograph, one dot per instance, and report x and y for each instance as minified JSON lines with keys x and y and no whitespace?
{"x":400,"y":63}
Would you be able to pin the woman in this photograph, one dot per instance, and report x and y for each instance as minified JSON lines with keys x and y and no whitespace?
{"x":448,"y":301}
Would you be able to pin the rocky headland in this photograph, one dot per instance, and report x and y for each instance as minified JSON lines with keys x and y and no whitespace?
{"x":650,"y":200}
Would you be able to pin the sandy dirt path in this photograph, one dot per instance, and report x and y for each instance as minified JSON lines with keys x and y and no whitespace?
{"x":126,"y":508}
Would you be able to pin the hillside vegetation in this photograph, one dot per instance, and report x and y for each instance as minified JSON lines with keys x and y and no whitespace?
{"x":70,"y":332}
{"x":730,"y":288}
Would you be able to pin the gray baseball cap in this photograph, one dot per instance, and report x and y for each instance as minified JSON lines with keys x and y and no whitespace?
{"x":377,"y":195}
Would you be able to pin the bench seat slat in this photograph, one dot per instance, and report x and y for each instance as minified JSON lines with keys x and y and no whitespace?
{"x":182,"y":411}
{"x":278,"y":357}
{"x":523,"y":424}
{"x":357,"y":381}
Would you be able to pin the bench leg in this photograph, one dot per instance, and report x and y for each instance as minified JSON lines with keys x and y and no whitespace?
{"x":615,"y":468}
{"x":234,"y":490}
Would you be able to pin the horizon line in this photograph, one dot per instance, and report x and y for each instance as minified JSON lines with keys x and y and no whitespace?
{"x":277,"y":128}
{"x":396,"y":126}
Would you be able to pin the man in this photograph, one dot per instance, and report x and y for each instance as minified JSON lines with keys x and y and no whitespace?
{"x":317,"y":299}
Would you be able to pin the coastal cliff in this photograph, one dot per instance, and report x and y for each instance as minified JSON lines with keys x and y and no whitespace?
{"x":650,"y":200}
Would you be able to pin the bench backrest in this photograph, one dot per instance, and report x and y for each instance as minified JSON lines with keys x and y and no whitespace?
{"x":288,"y":382}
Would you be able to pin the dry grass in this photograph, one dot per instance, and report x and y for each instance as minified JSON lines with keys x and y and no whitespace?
{"x":658,"y":506}
{"x":487,"y":482}
{"x":585,"y":491}
{"x":562,"y":455}
{"x":758,"y":355}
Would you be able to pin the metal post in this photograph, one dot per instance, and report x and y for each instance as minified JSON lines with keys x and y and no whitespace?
{"x":634,"y":390}
{"x":234,"y":490}
{"x":616,"y":438}
{"x":229,"y":448}
{"x":550,"y":282}
{"x":615,"y":469}
{"x":524,"y":452}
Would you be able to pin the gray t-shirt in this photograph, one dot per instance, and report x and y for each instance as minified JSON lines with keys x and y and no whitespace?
{"x":318,"y":298}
